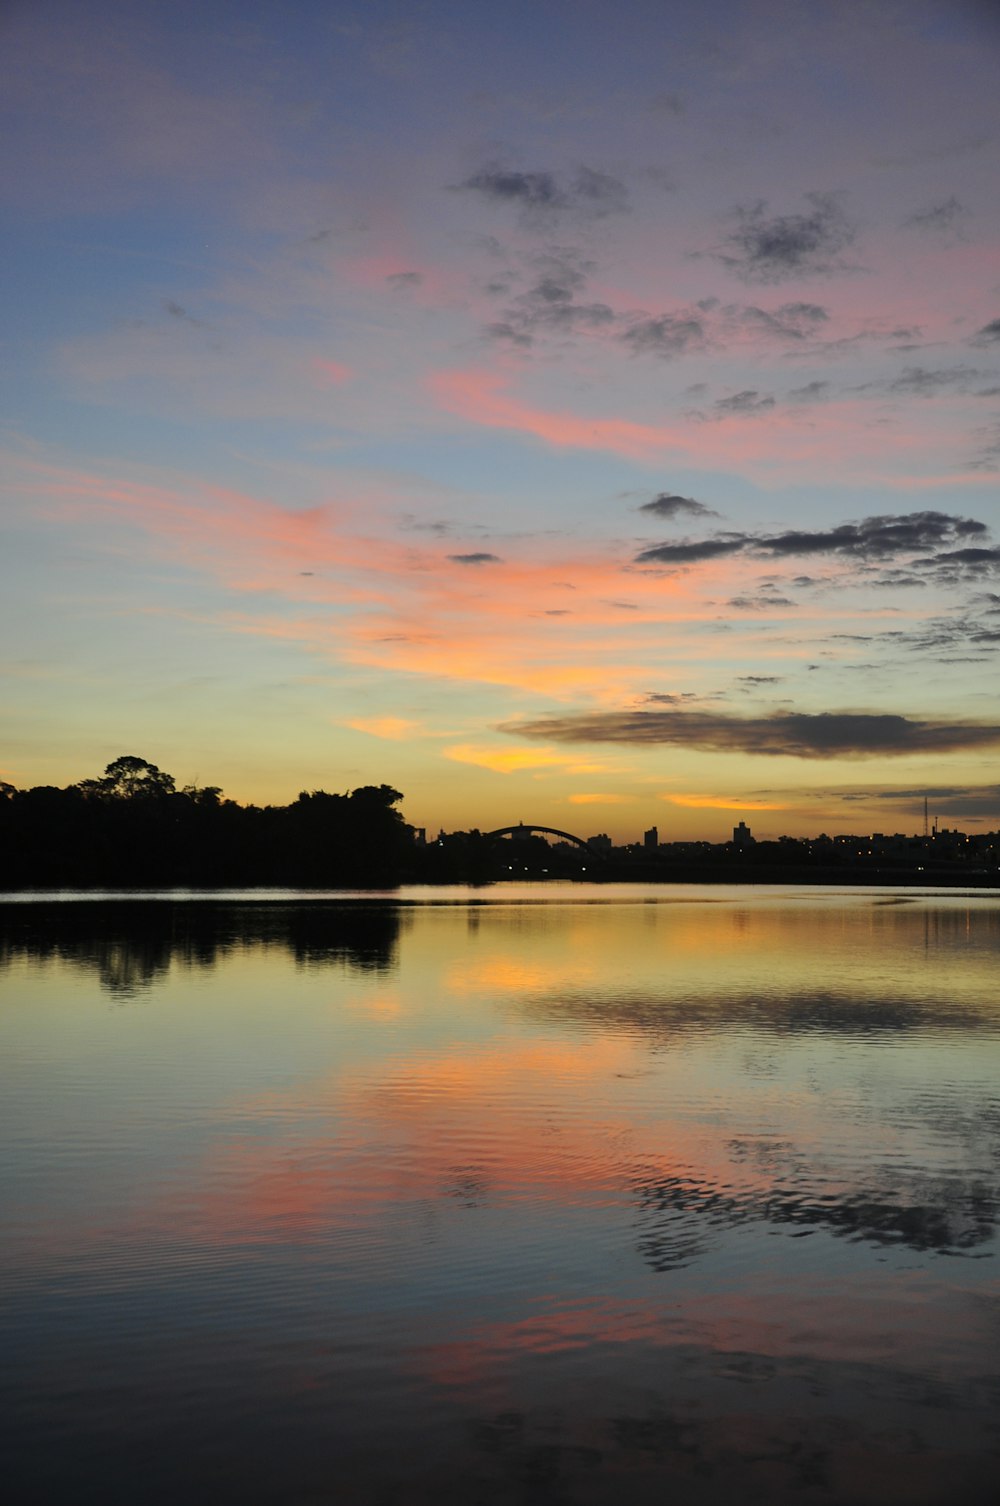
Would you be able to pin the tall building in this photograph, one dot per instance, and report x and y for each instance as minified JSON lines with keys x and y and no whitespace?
{"x":651,"y":839}
{"x":742,"y":835}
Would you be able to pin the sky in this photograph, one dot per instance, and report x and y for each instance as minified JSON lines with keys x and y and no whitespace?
{"x":571,"y":413}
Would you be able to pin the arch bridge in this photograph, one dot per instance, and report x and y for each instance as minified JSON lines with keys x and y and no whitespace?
{"x":526,"y":830}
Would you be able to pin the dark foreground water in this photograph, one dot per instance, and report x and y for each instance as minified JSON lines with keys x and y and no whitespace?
{"x":553,"y":1195}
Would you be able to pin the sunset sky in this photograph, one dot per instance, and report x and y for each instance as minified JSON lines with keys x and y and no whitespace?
{"x":574,"y":412}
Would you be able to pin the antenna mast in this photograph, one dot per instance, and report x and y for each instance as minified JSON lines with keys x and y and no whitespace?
{"x":925,"y":815}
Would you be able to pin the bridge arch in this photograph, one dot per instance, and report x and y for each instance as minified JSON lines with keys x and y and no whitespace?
{"x":523,"y":829}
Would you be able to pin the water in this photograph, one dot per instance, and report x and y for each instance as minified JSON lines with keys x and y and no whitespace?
{"x":537,"y":1194}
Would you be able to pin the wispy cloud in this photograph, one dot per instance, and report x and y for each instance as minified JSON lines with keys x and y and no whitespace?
{"x":553,"y":303}
{"x":921,"y":381}
{"x":944,"y":218}
{"x":479,"y":395}
{"x":988,"y":335}
{"x":747,"y":401}
{"x":664,"y":335}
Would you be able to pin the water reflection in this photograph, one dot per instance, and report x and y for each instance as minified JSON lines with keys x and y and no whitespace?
{"x":132,"y":944}
{"x":568,"y":1203}
{"x":952,"y":1215}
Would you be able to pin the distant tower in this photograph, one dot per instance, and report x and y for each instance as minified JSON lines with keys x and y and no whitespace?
{"x":925,"y":815}
{"x":651,"y":839}
{"x":742,"y":835}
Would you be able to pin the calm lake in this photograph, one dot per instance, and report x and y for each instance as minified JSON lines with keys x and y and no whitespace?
{"x":535,"y":1194}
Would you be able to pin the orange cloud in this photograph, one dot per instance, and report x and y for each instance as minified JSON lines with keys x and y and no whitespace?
{"x":504,"y":760}
{"x":393,"y":728}
{"x":601,"y":799}
{"x":570,"y":623}
{"x":723,"y":803}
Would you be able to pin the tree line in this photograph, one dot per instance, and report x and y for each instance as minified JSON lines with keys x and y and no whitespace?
{"x":133,"y":828}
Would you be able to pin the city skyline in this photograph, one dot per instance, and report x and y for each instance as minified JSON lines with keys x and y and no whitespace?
{"x":581,"y":417}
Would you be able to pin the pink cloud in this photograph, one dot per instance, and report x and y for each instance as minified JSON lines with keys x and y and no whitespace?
{"x":866,"y":441}
{"x":332,"y":371}
{"x":478,"y":396}
{"x":343,"y":587}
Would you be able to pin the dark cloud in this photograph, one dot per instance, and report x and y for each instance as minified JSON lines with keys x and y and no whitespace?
{"x":176,"y":311}
{"x":923,"y":383}
{"x":968,"y":630}
{"x":556,"y":301}
{"x":989,"y":453}
{"x":792,"y":321}
{"x":760,"y":679}
{"x":399,"y":281}
{"x":960,"y":146}
{"x":551,"y":304}
{"x":957,"y":567}
{"x":812,"y":392}
{"x":480,"y":558}
{"x":781,"y":734}
{"x":879,"y":537}
{"x":770,"y":248}
{"x":560,"y":277}
{"x":945,"y":218}
{"x":749,"y":401}
{"x":944,"y":800}
{"x":964,"y":557}
{"x":413,"y":524}
{"x":527,"y":190}
{"x":989,"y":334}
{"x":690,"y":551}
{"x":665,"y":335}
{"x":599,"y":192}
{"x":803,"y":313}
{"x":669,"y":505}
{"x":542,"y":195}
{"x":503,"y":329}
{"x":761,"y":603}
{"x":891,"y":580}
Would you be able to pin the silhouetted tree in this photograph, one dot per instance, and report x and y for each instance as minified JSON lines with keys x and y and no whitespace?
{"x":129,"y":778}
